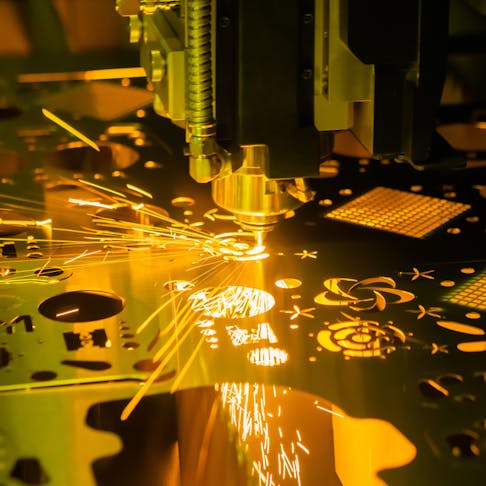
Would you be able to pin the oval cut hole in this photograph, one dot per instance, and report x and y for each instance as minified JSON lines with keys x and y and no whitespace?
{"x":82,"y":306}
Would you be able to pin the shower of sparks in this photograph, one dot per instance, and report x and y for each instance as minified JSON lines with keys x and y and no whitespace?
{"x":257,"y":415}
{"x":297,"y":312}
{"x":416,"y":273}
{"x":70,"y":129}
{"x":263,"y":333}
{"x":306,"y":254}
{"x":233,"y":302}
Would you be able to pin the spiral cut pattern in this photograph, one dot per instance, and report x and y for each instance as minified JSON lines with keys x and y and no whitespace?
{"x":199,"y":87}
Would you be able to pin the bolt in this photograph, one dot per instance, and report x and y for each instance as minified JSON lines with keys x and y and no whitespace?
{"x":308,"y":18}
{"x":224,"y":22}
{"x":307,"y":74}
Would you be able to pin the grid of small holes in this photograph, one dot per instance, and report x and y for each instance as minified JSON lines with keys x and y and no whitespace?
{"x":398,"y":211}
{"x":471,"y":294}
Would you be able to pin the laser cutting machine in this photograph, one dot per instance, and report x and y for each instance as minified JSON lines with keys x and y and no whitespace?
{"x":146,"y":338}
{"x":260,"y":89}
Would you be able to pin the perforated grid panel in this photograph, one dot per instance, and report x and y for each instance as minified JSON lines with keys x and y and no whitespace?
{"x":472,"y":293}
{"x":398,"y":212}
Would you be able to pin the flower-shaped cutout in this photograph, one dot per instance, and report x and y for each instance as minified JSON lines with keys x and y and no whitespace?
{"x":363,"y":339}
{"x":361,"y":295}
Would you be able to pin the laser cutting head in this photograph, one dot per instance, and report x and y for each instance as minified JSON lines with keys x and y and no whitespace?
{"x":257,"y":202}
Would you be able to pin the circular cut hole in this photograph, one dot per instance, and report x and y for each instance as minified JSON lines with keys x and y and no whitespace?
{"x":232,"y":302}
{"x":43,"y":375}
{"x":10,"y":163}
{"x":82,"y":306}
{"x":77,"y":156}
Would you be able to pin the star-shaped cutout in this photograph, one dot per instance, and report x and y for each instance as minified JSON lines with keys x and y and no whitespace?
{"x":422,"y":312}
{"x":306,"y":254}
{"x":297,"y":311}
{"x":439,"y":348}
{"x":416,"y":273}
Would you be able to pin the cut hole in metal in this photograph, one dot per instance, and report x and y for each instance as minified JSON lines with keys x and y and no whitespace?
{"x":465,"y":398}
{"x":87,"y":365}
{"x":183,"y":202}
{"x":8,"y":112}
{"x":463,"y":445}
{"x":49,"y":272}
{"x":28,"y":470}
{"x":131,"y":345}
{"x":77,"y":156}
{"x":432,"y":390}
{"x":82,"y":306}
{"x":11,"y":163}
{"x":450,"y":379}
{"x":43,"y":375}
{"x":4,"y":357}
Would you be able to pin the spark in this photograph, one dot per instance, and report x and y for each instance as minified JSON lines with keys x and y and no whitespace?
{"x":70,"y":129}
{"x":139,"y":190}
{"x":296,"y":312}
{"x":65,"y":313}
{"x":416,"y":273}
{"x":303,"y":447}
{"x":96,"y":204}
{"x":320,"y":407}
{"x":422,"y":312}
{"x":84,"y":254}
{"x":306,"y":254}
{"x":102,"y":188}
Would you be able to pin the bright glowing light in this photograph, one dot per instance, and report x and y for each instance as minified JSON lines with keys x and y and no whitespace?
{"x":96,"y":204}
{"x":179,"y":285}
{"x":263,"y":333}
{"x":45,"y":222}
{"x":233,"y":302}
{"x":268,"y":356}
{"x":288,"y":283}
